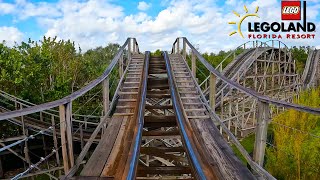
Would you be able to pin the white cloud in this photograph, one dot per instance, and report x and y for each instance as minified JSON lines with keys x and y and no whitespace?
{"x":6,"y":8}
{"x":90,"y":24}
{"x":143,"y":6}
{"x":10,"y":35}
{"x":94,"y":23}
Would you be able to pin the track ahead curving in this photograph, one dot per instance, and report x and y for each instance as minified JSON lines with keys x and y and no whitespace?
{"x":311,"y":68}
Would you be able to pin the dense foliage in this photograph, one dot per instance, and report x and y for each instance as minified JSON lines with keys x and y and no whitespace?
{"x":300,"y":55}
{"x":50,"y":69}
{"x":297,"y":144}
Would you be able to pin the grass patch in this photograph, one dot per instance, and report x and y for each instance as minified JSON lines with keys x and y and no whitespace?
{"x":248,"y":144}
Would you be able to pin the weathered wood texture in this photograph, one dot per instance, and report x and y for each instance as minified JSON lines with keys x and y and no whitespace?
{"x":263,"y":119}
{"x":104,"y":161}
{"x":211,"y":146}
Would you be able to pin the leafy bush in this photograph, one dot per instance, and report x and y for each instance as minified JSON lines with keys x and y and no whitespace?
{"x":297,"y":153}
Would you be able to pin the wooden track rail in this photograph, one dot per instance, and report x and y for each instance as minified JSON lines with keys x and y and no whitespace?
{"x":112,"y":149}
{"x":311,"y":69}
{"x":211,"y":146}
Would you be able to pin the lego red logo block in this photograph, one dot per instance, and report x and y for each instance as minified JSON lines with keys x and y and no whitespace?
{"x":291,"y":10}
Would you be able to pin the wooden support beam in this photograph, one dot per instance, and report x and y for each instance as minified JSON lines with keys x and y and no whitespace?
{"x":150,"y":150}
{"x":69,"y":132}
{"x":160,"y":121}
{"x":159,"y":107}
{"x":212,"y":98}
{"x":178,"y":46}
{"x":193,"y":64}
{"x":133,"y":45}
{"x":121,"y":66}
{"x":263,"y":118}
{"x":62,"y":114}
{"x":143,"y":171}
{"x":184,"y":46}
{"x":17,"y":138}
{"x":105,"y":95}
{"x":158,"y":133}
{"x":129,"y":50}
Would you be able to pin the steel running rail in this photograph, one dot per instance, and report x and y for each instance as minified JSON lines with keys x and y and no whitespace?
{"x":179,"y":115}
{"x":140,"y":118}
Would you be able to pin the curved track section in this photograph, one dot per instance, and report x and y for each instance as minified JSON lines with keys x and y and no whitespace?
{"x":267,"y":70}
{"x":311,"y":72}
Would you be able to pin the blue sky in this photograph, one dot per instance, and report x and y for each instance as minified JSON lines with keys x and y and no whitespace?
{"x":155,"y":23}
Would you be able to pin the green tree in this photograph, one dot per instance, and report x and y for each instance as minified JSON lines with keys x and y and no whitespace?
{"x":300,"y":54}
{"x":297,"y":153}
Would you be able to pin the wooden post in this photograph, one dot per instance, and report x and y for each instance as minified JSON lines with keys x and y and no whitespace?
{"x":69,"y":132}
{"x":129,"y":50}
{"x":105,"y":95}
{"x":193,"y":64}
{"x":184,"y":51}
{"x":212,"y":98}
{"x":178,"y":46}
{"x":121,"y":66}
{"x":133,"y":46}
{"x":263,"y":117}
{"x":85,"y":123}
{"x":62,"y":114}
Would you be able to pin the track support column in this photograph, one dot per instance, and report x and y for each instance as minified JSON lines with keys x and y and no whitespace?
{"x":212,"y":98}
{"x":263,"y":117}
{"x":184,"y":51}
{"x":62,"y":114}
{"x":178,"y":46}
{"x":129,"y":50}
{"x":121,"y":65}
{"x":105,"y":95}
{"x":193,"y":64}
{"x":65,"y":113}
{"x":69,"y":132}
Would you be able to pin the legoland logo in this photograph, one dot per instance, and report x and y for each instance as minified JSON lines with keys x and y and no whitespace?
{"x":290,"y":11}
{"x":242,"y":19}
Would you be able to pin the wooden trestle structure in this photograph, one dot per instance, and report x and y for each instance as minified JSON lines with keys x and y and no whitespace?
{"x":161,"y":124}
